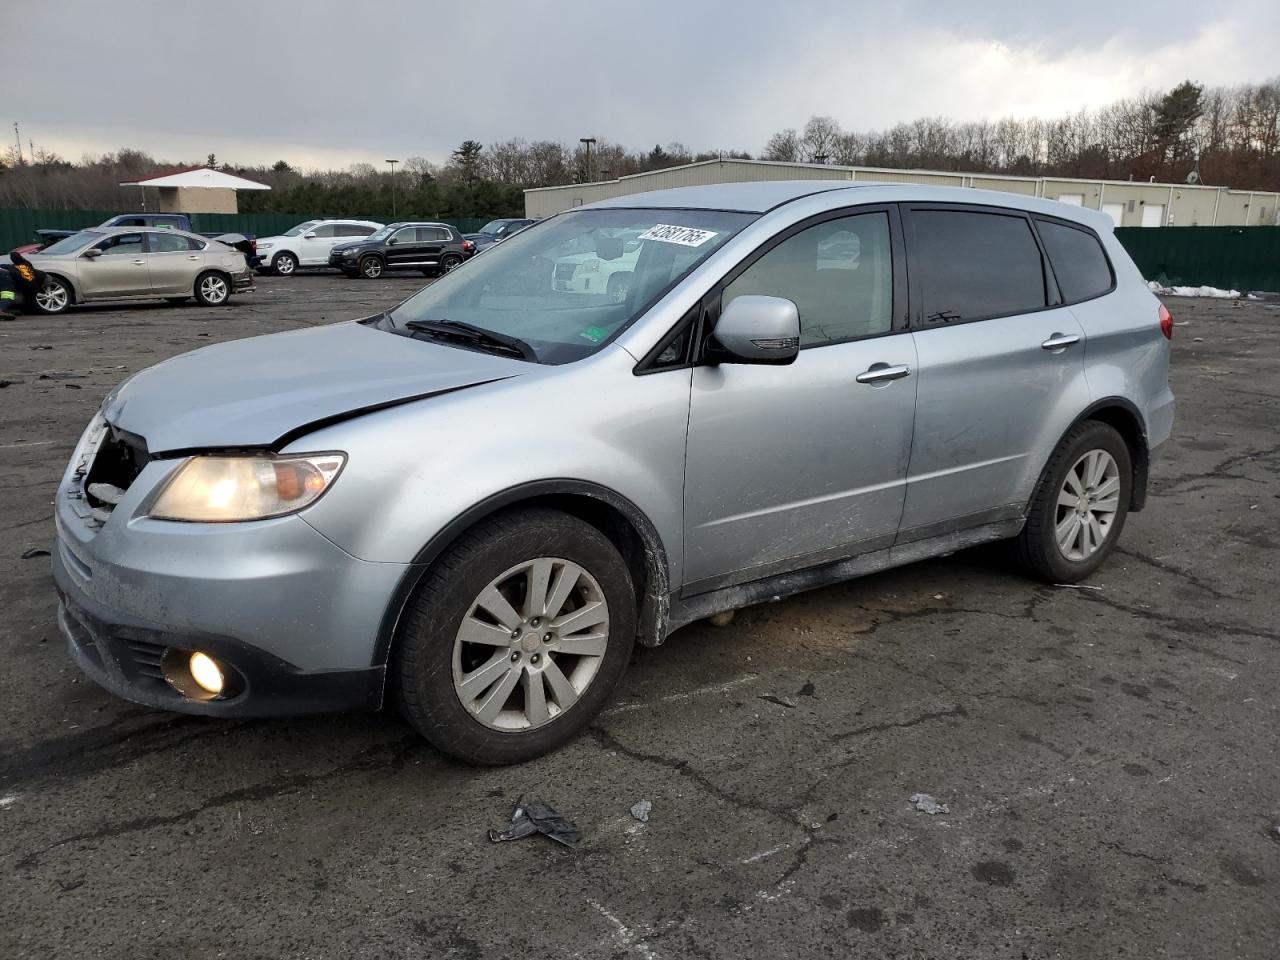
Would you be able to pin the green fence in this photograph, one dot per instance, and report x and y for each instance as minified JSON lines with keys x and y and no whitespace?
{"x":1233,"y":258}
{"x":18,"y":226}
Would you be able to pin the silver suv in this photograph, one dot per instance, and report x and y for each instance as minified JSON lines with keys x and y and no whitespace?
{"x":475,"y":503}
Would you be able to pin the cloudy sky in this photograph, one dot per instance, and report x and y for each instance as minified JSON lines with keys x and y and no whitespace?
{"x":327,"y":84}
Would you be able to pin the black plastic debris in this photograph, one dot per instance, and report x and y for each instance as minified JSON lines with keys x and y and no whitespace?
{"x":33,"y":553}
{"x":534,"y":816}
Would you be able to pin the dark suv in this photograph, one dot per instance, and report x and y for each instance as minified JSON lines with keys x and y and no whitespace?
{"x":433,"y":248}
{"x":495,"y":231}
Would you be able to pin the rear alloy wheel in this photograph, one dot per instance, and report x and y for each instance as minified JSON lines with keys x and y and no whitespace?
{"x":212,"y":289}
{"x":1080,"y":506}
{"x":450,"y":263}
{"x":516,"y":637}
{"x":371,"y":268}
{"x":284,"y":264}
{"x":54,"y":297}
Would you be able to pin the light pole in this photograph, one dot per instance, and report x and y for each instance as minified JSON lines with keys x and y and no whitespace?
{"x":587,"y":142}
{"x":392,"y":164}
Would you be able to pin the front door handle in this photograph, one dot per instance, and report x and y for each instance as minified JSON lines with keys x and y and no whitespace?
{"x":139,"y":263}
{"x":193,"y":257}
{"x":1059,"y":341}
{"x":881,"y":372}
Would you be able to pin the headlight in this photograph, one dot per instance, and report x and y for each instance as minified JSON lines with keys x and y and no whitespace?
{"x":217,"y":489}
{"x":264,"y":246}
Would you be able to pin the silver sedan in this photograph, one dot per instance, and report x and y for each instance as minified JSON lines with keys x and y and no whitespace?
{"x":132,"y":263}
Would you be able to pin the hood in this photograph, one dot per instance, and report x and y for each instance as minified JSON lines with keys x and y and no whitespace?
{"x":255,"y":392}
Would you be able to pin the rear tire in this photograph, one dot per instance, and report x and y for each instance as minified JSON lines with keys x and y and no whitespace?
{"x":449,"y":264}
{"x":212,"y":289}
{"x":371,"y":267}
{"x":284,"y":264}
{"x":513,"y":694}
{"x":1079,"y":507}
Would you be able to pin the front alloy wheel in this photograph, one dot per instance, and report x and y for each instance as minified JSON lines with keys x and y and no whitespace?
{"x":53,"y":297}
{"x":532,"y":642}
{"x":515,"y":637}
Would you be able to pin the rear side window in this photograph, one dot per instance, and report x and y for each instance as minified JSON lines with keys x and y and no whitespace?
{"x":1078,"y":261}
{"x":172,"y":243}
{"x":971,"y":266}
{"x":357,"y":230}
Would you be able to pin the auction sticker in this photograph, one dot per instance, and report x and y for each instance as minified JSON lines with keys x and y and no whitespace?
{"x":685,"y":236}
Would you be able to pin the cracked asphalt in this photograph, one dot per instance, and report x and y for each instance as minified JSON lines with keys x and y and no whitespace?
{"x":1108,"y":753}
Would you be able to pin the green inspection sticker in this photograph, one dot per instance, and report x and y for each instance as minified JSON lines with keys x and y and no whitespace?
{"x":594,"y":334}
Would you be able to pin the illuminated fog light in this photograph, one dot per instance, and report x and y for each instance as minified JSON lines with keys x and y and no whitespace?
{"x":206,"y":673}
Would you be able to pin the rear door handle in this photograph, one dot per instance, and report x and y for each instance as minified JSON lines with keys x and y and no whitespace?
{"x":140,"y":263}
{"x":193,"y":257}
{"x":881,"y":372}
{"x":1060,"y":341}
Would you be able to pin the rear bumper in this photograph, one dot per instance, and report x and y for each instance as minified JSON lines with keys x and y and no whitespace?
{"x":242,"y":282}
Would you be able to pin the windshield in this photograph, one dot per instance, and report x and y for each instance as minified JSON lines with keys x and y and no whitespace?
{"x":382,"y":234}
{"x":493,"y":227}
{"x":570,"y":284}
{"x":71,"y":244}
{"x":300,"y":229}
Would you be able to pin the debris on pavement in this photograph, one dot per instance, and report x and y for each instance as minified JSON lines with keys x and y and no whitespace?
{"x":641,"y":810}
{"x":927,"y":804}
{"x":8,"y":383}
{"x":722,"y":619}
{"x":34,"y":552}
{"x":60,"y":375}
{"x":535,"y":816}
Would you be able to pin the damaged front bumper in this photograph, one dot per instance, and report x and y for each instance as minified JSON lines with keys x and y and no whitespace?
{"x":294,"y":618}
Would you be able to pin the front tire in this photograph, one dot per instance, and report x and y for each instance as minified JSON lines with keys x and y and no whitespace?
{"x":284,"y":264}
{"x":1079,"y":507}
{"x":212,"y":289}
{"x":371,"y":268}
{"x":515,"y":638}
{"x":54,"y":297}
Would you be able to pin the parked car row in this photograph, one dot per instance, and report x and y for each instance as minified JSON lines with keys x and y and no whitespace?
{"x":145,"y":256}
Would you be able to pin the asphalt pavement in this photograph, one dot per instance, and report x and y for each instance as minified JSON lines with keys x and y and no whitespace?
{"x":1106,"y":753}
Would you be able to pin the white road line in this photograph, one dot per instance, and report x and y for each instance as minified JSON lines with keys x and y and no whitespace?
{"x":8,"y":801}
{"x":688,"y":694}
{"x":766,"y":853}
{"x":624,"y":935}
{"x":29,"y":443}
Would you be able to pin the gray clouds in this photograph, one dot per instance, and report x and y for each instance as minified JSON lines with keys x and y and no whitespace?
{"x":329,"y":83}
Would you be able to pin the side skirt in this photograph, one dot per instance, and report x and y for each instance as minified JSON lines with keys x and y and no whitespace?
{"x":778,"y":587}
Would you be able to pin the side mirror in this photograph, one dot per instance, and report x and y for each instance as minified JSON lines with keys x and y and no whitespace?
{"x":92,"y":253}
{"x":309,"y":236}
{"x":754,"y":329}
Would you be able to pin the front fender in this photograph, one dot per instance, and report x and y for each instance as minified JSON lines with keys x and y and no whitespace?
{"x":414,"y":470}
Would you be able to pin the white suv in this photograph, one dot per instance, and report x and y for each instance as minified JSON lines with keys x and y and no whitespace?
{"x":308,"y":244}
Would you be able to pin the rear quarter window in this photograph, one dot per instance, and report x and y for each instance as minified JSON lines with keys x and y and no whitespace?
{"x":971,"y":265}
{"x":1078,"y":260}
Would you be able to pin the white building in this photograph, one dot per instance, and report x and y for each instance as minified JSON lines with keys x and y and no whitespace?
{"x":1129,"y":203}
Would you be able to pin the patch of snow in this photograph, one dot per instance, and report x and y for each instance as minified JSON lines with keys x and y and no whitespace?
{"x":1211,"y":292}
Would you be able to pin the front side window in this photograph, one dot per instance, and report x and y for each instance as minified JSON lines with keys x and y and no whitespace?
{"x":122,"y":245}
{"x":972,"y":266}
{"x":572,"y":283}
{"x":1078,"y":262}
{"x":407,"y":235}
{"x":325,"y":231}
{"x":839,"y":274}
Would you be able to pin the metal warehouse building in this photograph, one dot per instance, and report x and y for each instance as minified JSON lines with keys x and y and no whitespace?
{"x":1129,"y":203}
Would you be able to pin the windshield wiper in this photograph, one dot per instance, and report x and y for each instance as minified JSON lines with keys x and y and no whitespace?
{"x":475,"y":335}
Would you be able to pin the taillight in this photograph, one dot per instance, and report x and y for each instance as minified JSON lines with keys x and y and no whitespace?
{"x":1166,"y":322}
